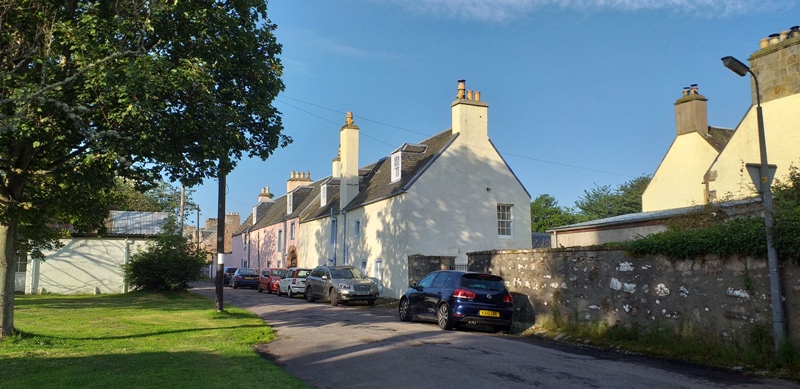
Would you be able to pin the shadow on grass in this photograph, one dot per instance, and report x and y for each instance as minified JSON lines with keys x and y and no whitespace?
{"x":130,"y":369}
{"x":24,"y":335}
{"x":164,"y":301}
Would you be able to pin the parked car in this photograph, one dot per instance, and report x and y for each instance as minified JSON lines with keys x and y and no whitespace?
{"x":269,"y":279}
{"x":293,"y":282}
{"x":226,"y":275}
{"x":244,"y":277}
{"x":340,"y":284}
{"x":453,"y":298}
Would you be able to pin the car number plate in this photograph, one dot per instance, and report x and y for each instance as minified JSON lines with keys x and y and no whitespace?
{"x":360,"y":293}
{"x":489,"y":313}
{"x":248,"y":278}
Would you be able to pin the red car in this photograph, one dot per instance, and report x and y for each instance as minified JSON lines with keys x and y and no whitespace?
{"x":269,"y":279}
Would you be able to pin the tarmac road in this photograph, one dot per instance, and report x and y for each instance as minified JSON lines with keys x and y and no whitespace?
{"x":368,"y":347}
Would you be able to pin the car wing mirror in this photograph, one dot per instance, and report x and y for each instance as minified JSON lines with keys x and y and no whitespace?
{"x":413,"y":285}
{"x":324,"y":277}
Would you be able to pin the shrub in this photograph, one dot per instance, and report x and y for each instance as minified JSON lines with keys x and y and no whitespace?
{"x":168,"y":263}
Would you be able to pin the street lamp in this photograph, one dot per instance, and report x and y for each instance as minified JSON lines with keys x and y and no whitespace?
{"x":778,"y":318}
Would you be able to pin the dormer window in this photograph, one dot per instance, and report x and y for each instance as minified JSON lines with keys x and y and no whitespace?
{"x":396,"y":166}
{"x":323,"y":196}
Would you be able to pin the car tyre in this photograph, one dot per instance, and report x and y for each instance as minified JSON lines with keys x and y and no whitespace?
{"x":404,"y":310}
{"x":334,"y":297}
{"x":289,"y":293}
{"x":233,"y":285}
{"x":309,"y":297}
{"x":499,"y":329}
{"x":280,"y":294}
{"x":259,"y":288}
{"x":444,"y":318}
{"x":371,"y":302}
{"x":269,"y":288}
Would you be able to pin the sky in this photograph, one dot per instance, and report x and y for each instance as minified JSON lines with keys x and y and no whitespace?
{"x":581,"y":92}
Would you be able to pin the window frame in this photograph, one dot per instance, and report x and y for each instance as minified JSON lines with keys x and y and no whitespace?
{"x":397,"y":166}
{"x":505,"y":226}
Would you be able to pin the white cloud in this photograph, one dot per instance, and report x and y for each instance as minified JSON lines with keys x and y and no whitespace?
{"x":331,"y":45}
{"x":502,"y":10}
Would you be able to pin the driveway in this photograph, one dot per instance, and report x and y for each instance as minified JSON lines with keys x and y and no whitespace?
{"x":369,"y":347}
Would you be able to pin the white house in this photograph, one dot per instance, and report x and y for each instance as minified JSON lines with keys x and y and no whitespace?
{"x":424,"y":205}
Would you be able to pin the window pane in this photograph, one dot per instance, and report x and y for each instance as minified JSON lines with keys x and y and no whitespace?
{"x":504,"y":220}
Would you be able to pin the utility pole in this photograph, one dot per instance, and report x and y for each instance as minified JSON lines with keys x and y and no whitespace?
{"x":220,"y":238}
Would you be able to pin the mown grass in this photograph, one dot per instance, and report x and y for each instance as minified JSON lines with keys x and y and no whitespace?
{"x":136,"y":340}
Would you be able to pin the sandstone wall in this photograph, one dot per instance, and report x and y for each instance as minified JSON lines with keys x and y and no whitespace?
{"x":720,"y":296}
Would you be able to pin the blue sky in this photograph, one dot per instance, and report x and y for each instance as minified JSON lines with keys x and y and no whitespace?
{"x":580,"y":92}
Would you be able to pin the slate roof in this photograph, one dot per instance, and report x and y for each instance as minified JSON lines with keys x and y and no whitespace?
{"x":377,"y":184}
{"x":374,"y":183}
{"x":718,"y":137}
{"x":730,"y":207}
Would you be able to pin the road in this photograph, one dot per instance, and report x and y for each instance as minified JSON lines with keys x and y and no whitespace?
{"x":361,"y":347}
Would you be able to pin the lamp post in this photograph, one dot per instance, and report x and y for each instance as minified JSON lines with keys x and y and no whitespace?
{"x":778,"y":318}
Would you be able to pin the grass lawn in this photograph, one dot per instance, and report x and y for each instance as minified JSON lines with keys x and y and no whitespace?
{"x":136,"y":340}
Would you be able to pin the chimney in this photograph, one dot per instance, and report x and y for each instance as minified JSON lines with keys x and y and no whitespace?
{"x":691,"y":114}
{"x":210,"y":223}
{"x":232,"y":222}
{"x":298,"y":179}
{"x":776,"y":65}
{"x":348,"y":144}
{"x":336,"y":164}
{"x":263,"y":197}
{"x":470,"y":116}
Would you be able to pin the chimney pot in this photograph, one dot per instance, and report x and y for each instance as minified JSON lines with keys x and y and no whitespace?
{"x":694,"y":89}
{"x":784,"y":35}
{"x":349,"y":119}
{"x":774,"y":38}
{"x":795,"y":30}
{"x":764,"y":42}
{"x":469,"y":95}
{"x":461,"y":88}
{"x":477,"y":96}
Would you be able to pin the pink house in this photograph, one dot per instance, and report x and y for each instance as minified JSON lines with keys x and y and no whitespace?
{"x":270,"y":237}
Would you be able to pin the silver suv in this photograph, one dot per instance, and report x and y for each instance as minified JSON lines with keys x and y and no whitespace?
{"x":340,"y":284}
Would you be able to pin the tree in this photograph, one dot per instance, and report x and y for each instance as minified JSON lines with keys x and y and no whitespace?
{"x":168,"y":263}
{"x":161,"y":197}
{"x":94,"y":90}
{"x":602,"y":201}
{"x":546,"y":214}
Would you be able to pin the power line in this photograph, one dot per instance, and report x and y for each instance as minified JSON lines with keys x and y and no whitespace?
{"x":428,"y":135}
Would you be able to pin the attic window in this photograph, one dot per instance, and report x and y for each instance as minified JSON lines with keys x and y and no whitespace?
{"x":323,"y":196}
{"x":396,"y":166}
{"x":413,"y":148}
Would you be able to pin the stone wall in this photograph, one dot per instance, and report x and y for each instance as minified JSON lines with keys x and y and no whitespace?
{"x":420,"y":265}
{"x":778,"y":70}
{"x":724,"y":297}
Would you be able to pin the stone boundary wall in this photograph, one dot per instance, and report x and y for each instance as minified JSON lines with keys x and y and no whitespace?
{"x":725,"y":297}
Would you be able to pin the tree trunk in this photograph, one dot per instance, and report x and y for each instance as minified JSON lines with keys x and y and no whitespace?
{"x":8,"y":259}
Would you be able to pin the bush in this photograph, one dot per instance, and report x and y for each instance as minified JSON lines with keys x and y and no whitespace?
{"x":168,"y":263}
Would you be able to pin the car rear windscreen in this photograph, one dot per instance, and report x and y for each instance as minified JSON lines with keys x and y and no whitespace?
{"x":482,"y":281}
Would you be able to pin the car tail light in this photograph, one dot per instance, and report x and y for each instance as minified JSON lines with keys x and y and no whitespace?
{"x":463,"y":294}
{"x":294,"y":281}
{"x":508,"y":299}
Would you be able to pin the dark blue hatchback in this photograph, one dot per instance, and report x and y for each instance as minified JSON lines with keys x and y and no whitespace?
{"x":452,"y":298}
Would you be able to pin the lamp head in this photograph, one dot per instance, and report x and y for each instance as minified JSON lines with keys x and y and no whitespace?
{"x":735,"y":65}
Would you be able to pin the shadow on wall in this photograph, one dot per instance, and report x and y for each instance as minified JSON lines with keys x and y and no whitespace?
{"x":524,"y":313}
